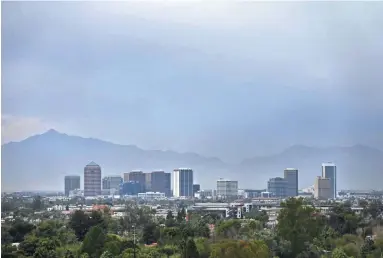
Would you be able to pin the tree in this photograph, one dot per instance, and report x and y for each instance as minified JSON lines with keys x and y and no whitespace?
{"x":191,"y":249}
{"x":79,"y":222}
{"x":18,"y":230}
{"x":299,"y":224}
{"x":150,"y":234}
{"x":46,"y":249}
{"x":94,"y":240}
{"x":8,"y":251}
{"x":367,"y":248}
{"x":338,"y":253}
{"x":37,"y":203}
{"x":106,"y":254}
{"x":343,"y":220}
{"x":239,"y":249}
{"x":170,"y":221}
{"x":29,"y":245}
{"x":181,"y":215}
{"x":168,"y":250}
{"x":229,"y":228}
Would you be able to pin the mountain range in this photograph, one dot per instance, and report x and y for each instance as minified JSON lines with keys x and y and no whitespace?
{"x":40,"y":162}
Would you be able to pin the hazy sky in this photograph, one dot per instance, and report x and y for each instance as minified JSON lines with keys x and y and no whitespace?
{"x":223,"y":79}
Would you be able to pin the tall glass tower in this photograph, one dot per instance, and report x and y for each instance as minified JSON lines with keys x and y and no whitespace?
{"x":329,"y":171}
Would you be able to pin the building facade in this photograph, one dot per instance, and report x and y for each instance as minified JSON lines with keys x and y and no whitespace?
{"x":322,"y":188}
{"x":112,"y":183}
{"x":196,"y":188}
{"x":227,"y":188}
{"x":92,"y":180}
{"x":277,"y":187}
{"x":291,"y":176}
{"x":71,"y":183}
{"x":183,"y":182}
{"x":152,"y":196}
{"x":130,"y":188}
{"x":158,"y":181}
{"x":329,"y":171}
{"x":136,"y":176}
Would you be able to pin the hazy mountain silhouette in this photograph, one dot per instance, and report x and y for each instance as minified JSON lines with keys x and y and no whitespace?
{"x":41,"y":162}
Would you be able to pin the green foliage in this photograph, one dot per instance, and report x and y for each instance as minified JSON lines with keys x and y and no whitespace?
{"x":94,"y":240}
{"x":243,"y":249}
{"x":338,"y":253}
{"x":299,"y":224}
{"x":8,"y":251}
{"x":17,"y":231}
{"x":228,"y":228}
{"x":107,"y":254}
{"x":81,"y":222}
{"x":343,"y":220}
{"x":181,"y":215}
{"x":151,"y":234}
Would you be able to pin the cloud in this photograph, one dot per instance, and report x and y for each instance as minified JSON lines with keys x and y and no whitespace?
{"x":182,"y":75}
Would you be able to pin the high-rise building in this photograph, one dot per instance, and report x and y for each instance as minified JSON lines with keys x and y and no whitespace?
{"x":227,"y":188}
{"x":277,"y":187}
{"x":92,"y":179}
{"x":71,"y":183}
{"x":168,"y":183}
{"x":183,"y":182}
{"x":158,"y":181}
{"x":196,"y":188}
{"x":130,"y":188}
{"x":322,"y":188}
{"x":136,"y":176}
{"x":112,"y":183}
{"x":329,"y":171}
{"x":291,"y":176}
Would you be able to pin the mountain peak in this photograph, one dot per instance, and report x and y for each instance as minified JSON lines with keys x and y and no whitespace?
{"x":52,"y":132}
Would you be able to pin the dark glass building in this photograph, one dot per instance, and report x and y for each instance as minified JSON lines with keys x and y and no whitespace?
{"x":130,"y":188}
{"x":71,"y":183}
{"x":277,"y":187}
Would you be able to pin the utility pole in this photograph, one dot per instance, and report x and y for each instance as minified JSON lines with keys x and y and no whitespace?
{"x":134,"y":241}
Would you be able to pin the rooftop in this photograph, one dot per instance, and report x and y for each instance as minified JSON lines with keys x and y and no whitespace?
{"x":92,"y":164}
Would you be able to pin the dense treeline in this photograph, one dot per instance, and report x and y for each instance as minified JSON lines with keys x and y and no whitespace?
{"x":301,"y":232}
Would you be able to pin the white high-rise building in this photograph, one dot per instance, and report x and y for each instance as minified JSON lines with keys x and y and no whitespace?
{"x":329,"y":171}
{"x":227,"y":188}
{"x":182,"y":182}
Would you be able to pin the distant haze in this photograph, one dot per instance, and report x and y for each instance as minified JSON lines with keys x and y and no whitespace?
{"x":224,"y":79}
{"x":41,"y":162}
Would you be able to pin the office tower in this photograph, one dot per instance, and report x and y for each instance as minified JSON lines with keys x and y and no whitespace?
{"x":112,"y":183}
{"x":168,"y":183}
{"x":322,"y":188}
{"x":329,"y":171}
{"x":130,"y":188}
{"x":92,"y":180}
{"x":196,"y":188}
{"x":158,"y":181}
{"x":136,"y":176}
{"x":183,"y":182}
{"x":148,"y":181}
{"x":291,"y":176}
{"x":71,"y":183}
{"x":227,"y":188}
{"x":277,"y":187}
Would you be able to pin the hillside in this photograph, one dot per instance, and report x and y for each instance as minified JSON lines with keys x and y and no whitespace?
{"x":41,"y":161}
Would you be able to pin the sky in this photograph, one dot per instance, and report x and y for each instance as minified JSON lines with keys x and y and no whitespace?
{"x":226,"y":79}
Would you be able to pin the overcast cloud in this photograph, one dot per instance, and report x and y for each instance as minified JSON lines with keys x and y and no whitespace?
{"x":223,"y":79}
